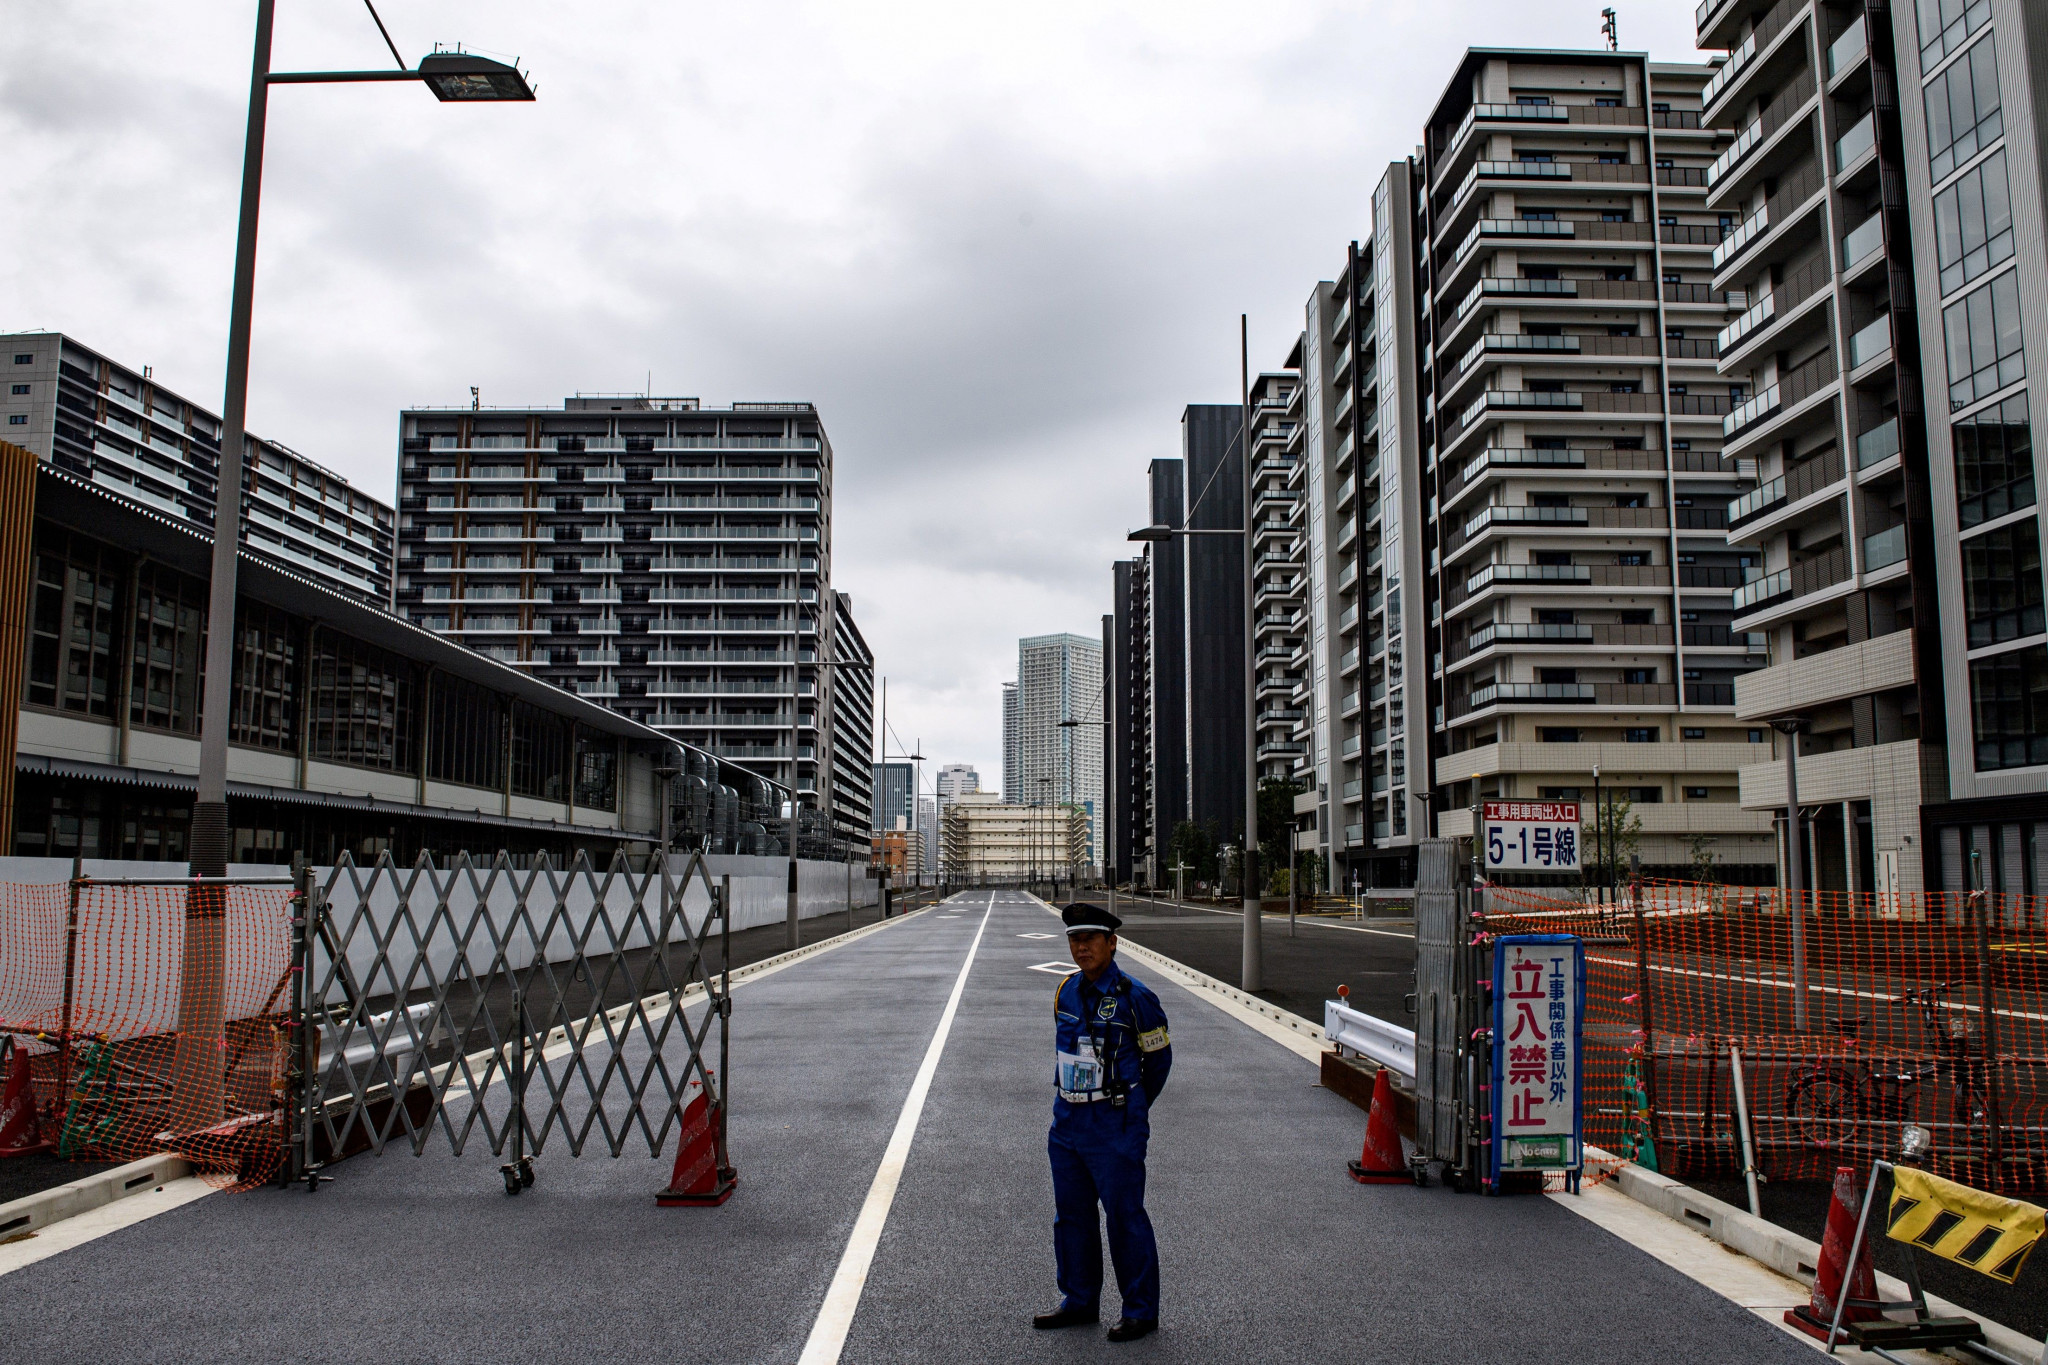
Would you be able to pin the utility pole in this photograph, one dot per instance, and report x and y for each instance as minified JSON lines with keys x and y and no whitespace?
{"x":1252,"y":973}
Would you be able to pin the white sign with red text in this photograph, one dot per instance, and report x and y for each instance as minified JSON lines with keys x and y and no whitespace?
{"x":1538,"y":992}
{"x":1530,"y":836}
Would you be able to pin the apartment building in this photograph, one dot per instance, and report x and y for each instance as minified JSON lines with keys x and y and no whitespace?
{"x":1215,"y":616}
{"x":669,"y":560}
{"x":1278,"y":602}
{"x":1013,"y":779}
{"x":986,"y":839}
{"x":117,"y":428}
{"x":1582,"y":626}
{"x":852,"y":693}
{"x":1884,"y":174}
{"x":1059,"y":678}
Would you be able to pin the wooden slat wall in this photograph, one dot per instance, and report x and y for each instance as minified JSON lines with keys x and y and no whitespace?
{"x":17,"y":522}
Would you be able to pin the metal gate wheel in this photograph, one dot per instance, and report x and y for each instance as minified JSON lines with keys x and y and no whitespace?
{"x":526,"y":1172}
{"x":511,"y":1174}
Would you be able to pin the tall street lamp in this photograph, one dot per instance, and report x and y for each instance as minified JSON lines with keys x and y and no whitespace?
{"x":1108,"y":808}
{"x":453,"y":77}
{"x":1251,"y":971}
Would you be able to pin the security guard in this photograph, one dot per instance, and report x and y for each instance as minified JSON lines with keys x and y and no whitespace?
{"x":1113,"y":1056}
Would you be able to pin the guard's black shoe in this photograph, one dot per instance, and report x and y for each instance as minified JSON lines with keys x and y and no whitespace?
{"x":1130,"y":1329}
{"x":1067,"y":1317}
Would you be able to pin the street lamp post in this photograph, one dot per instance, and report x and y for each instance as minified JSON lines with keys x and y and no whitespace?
{"x":1252,"y":967}
{"x":454,"y":77}
{"x":1108,"y":809}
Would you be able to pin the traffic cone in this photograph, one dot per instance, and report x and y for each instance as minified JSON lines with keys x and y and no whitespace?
{"x":697,"y":1179}
{"x":21,"y":1130}
{"x":1834,"y":1277}
{"x":1381,"y":1163}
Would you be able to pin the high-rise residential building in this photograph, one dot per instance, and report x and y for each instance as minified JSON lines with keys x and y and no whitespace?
{"x":119,"y":429}
{"x":853,"y":727}
{"x":1215,"y":617}
{"x":1012,"y":746}
{"x":1059,"y":677}
{"x":1578,"y":577}
{"x":1148,"y":704}
{"x":671,"y":560}
{"x":1279,"y":621}
{"x":956,"y":779}
{"x":1883,"y":188}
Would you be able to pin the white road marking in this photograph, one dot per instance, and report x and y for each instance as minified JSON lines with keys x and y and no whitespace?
{"x":1056,"y":968}
{"x":842,"y":1300}
{"x":1037,"y":936}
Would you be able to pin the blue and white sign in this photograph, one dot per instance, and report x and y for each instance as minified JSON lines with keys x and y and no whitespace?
{"x":1539,"y":1000}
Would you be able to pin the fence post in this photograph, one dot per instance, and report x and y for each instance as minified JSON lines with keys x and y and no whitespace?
{"x":726,"y":1173}
{"x":1986,"y":981}
{"x":1644,"y":1021}
{"x":70,"y":977}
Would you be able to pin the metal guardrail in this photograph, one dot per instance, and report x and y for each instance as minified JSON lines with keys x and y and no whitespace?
{"x":1388,"y":1044}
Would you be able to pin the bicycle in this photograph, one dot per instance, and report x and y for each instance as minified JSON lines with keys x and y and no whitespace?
{"x":1831,"y":1100}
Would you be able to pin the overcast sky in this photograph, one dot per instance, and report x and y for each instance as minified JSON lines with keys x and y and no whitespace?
{"x":1000,"y":246}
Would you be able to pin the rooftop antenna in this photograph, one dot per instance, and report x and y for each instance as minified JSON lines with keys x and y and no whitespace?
{"x":1611,"y":29}
{"x":476,"y":400}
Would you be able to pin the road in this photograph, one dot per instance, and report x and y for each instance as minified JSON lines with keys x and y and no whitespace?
{"x":1269,"y":1251}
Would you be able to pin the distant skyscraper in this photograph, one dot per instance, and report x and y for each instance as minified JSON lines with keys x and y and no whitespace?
{"x":893,"y":782}
{"x":1012,"y":773}
{"x":957,"y":779}
{"x":1059,"y":677}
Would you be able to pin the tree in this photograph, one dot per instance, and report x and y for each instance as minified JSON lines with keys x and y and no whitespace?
{"x":1700,"y":852}
{"x":1276,"y":829}
{"x":1608,"y":841}
{"x":1194,"y":846}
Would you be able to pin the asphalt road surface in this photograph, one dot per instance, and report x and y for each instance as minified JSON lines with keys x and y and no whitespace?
{"x":1269,"y":1251}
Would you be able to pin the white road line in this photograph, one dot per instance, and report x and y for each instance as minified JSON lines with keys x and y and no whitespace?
{"x":842,"y":1300}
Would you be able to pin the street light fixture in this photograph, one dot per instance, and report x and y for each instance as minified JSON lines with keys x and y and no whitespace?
{"x":1251,"y":971}
{"x":195,"y":1066}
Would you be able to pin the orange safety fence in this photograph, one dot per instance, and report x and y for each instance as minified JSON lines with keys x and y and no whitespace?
{"x":1850,"y":1016}
{"x":91,"y":1004}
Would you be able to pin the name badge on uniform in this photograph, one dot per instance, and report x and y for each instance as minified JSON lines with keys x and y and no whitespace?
{"x":1079,"y":1074}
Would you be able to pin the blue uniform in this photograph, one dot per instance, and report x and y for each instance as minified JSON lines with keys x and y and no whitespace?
{"x":1113,"y":1056}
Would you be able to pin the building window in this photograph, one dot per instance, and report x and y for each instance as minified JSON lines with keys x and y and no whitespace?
{"x":1639,"y":735}
{"x":1944,"y":24}
{"x":1645,"y":796}
{"x":540,"y":753}
{"x":1973,"y":223}
{"x":1695,"y":793}
{"x":17,"y":419}
{"x":2009,"y":699}
{"x":359,"y":707}
{"x":72,"y":626}
{"x":18,"y":390}
{"x":1983,"y":333}
{"x":266,"y":710}
{"x":1962,"y":109}
{"x":2002,"y":584}
{"x":170,"y":649}
{"x":1692,"y":732}
{"x":597,"y":775}
{"x":1557,"y":734}
{"x":1994,"y":462}
{"x":465,"y":734}
{"x":24,"y":358}
{"x":1756,"y":736}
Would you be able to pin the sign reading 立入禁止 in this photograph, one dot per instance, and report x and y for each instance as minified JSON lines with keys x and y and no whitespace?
{"x":1530,"y":836}
{"x":1539,"y":994}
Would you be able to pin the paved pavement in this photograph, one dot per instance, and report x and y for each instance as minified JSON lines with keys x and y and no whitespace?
{"x":1269,"y":1252}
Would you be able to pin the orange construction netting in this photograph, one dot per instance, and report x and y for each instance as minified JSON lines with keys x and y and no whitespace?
{"x":91,"y":1003}
{"x":1849,"y":1016}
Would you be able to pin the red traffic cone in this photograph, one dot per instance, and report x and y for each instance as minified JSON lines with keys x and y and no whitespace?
{"x":697,"y":1179}
{"x":21,"y":1130}
{"x":1381,"y":1163}
{"x":1834,"y":1276}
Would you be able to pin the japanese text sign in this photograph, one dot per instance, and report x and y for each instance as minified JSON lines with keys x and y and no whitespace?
{"x":1531,"y":836}
{"x":1539,"y":994}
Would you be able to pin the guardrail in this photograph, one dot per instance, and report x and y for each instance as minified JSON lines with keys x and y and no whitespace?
{"x":1388,"y":1044}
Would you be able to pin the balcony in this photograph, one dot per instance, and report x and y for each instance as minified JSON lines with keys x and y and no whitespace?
{"x":1878,"y":444}
{"x":1565,"y":694}
{"x":1849,"y":49}
{"x":1872,"y":344}
{"x":1767,"y":28}
{"x":1801,"y":384}
{"x":1884,"y":549}
{"x":1814,"y":575}
{"x":1852,"y":146}
{"x":1776,"y":115}
{"x":1863,"y":242}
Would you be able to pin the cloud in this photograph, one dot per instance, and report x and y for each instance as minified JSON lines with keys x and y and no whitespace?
{"x":1001,"y":247}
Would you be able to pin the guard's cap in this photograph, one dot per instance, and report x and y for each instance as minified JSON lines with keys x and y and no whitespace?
{"x":1080,"y":917}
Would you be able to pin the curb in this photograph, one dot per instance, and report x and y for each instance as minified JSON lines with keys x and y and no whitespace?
{"x":33,"y":1212}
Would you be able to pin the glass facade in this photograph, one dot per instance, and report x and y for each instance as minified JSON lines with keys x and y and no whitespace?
{"x":2009,"y":704}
